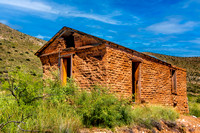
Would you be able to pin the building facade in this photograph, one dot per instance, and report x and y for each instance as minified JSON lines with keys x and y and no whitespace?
{"x":91,"y":60}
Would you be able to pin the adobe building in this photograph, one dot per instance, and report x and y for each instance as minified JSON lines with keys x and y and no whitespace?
{"x":91,"y":60}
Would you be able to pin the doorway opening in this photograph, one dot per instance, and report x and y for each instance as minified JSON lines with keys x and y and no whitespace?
{"x":174,"y":84}
{"x":66,"y":69}
{"x":135,"y":81}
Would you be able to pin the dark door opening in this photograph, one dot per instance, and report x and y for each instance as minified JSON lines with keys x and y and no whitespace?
{"x":135,"y":80}
{"x":173,"y":76}
{"x":70,"y":41}
{"x":66,"y":69}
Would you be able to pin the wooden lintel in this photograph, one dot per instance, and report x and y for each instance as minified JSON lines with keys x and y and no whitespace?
{"x":66,"y":55}
{"x":49,"y":54}
{"x":135,"y":59}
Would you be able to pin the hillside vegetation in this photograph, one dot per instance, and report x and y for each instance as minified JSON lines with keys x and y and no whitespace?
{"x":17,"y":51}
{"x":30,"y":104}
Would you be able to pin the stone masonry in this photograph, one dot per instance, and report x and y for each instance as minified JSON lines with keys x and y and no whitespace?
{"x":95,"y":61}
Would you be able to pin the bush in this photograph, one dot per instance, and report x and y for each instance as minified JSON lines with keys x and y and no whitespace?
{"x":29,"y":108}
{"x":195,"y":88}
{"x":194,"y":109}
{"x":146,"y":115}
{"x":198,"y":100}
{"x":55,"y":118}
{"x":24,"y":88}
{"x":102,"y":109}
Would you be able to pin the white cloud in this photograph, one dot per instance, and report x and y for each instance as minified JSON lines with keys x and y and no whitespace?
{"x":197,"y":41}
{"x":169,"y":45}
{"x":94,"y":26}
{"x":60,"y":10}
{"x":133,"y":35}
{"x":102,"y":18}
{"x":42,"y":37}
{"x":17,"y":27}
{"x":4,"y":22}
{"x":162,"y":39}
{"x":29,"y":4}
{"x":172,"y":26}
{"x":135,"y":17}
{"x":110,"y":37}
{"x":112,"y":31}
{"x":146,"y":44}
{"x":100,"y":35}
{"x":189,"y":2}
{"x":136,"y":20}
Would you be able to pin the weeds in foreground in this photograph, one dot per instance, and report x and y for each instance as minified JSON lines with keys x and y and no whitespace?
{"x":194,"y":105}
{"x":28,"y":105}
{"x":146,"y":115}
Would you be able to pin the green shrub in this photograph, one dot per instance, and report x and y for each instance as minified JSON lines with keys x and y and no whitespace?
{"x":55,"y":118}
{"x":100,"y":108}
{"x":195,"y":88}
{"x":198,"y":100}
{"x":25,"y":109}
{"x":145,"y":115}
{"x":194,"y":109}
{"x":11,"y":59}
{"x":24,"y":88}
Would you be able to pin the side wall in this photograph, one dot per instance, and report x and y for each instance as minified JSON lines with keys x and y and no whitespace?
{"x":181,"y":98}
{"x":156,"y":86}
{"x":155,"y":80}
{"x":119,"y":72}
{"x":155,"y":83}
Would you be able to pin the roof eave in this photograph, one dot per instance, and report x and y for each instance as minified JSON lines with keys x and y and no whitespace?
{"x":38,"y":53}
{"x":61,"y":31}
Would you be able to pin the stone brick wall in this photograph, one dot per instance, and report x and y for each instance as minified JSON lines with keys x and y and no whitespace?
{"x":89,"y":67}
{"x":155,"y":83}
{"x":119,"y":72}
{"x":181,"y":98}
{"x":155,"y":80}
{"x":112,"y":67}
{"x":83,"y":40}
{"x":156,"y":86}
{"x":50,"y":65}
{"x":56,"y":46}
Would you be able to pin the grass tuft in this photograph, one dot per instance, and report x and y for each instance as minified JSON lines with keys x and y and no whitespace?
{"x":149,"y":114}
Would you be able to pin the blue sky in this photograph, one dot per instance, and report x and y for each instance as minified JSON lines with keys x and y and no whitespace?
{"x":161,"y":26}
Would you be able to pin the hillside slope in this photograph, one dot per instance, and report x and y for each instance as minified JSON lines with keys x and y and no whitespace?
{"x":191,"y":64}
{"x":17,"y":51}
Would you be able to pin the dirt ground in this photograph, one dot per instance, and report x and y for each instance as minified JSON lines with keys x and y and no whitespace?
{"x":185,"y":124}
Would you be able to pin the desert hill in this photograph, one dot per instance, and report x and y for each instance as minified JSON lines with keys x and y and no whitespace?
{"x":17,"y":51}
